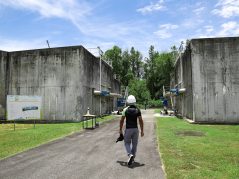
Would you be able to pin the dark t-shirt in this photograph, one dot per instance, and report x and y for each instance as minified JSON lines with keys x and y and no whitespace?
{"x":132,"y":113}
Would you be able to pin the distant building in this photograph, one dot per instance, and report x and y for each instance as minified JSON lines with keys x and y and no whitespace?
{"x":65,"y":78}
{"x":209,"y":70}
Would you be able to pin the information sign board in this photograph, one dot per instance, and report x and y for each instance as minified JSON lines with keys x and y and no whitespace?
{"x":23,"y":107}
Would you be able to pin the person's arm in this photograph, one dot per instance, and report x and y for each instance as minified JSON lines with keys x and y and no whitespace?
{"x":141,"y":124}
{"x":121,"y":124}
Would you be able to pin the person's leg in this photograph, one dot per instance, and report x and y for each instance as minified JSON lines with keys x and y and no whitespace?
{"x":135,"y":136}
{"x":127,"y":140}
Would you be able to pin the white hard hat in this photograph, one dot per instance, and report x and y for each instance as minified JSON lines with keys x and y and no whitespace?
{"x":131,"y":99}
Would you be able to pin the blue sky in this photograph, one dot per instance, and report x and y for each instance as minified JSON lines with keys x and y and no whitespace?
{"x":27,"y":24}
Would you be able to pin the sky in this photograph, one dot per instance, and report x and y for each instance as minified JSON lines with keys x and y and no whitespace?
{"x":28,"y":24}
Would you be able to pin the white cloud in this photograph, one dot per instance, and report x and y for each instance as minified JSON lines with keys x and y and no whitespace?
{"x":199,"y":3}
{"x":206,"y":32}
{"x":78,"y":13}
{"x":192,"y":22}
{"x":169,"y":26}
{"x":67,"y":9}
{"x":70,"y":10}
{"x":227,"y":8}
{"x":229,"y":29}
{"x":199,"y":10}
{"x":15,"y":45}
{"x":152,"y":7}
{"x":209,"y":28}
{"x":165,"y":30}
{"x":97,"y":31}
{"x":107,"y":29}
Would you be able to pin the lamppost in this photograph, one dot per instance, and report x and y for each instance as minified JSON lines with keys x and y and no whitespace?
{"x":100,"y":54}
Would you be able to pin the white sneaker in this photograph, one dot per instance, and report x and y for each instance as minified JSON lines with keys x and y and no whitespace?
{"x":130,"y":160}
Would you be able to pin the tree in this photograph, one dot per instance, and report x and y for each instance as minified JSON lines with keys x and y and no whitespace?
{"x":158,"y":68}
{"x":115,"y":56}
{"x":136,"y":62}
{"x":152,"y":54}
{"x":164,"y":67}
{"x":126,"y":74}
{"x":127,"y":65}
{"x":150,"y":72}
{"x":139,"y":89}
{"x":174,"y":52}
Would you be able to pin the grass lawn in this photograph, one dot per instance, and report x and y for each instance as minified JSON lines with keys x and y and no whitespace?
{"x":198,"y":151}
{"x":26,"y":137}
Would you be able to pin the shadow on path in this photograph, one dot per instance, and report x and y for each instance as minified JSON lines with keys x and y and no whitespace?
{"x":134,"y":165}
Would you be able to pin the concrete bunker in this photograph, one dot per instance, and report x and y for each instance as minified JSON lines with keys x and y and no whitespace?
{"x":209,"y":71}
{"x":64,"y":77}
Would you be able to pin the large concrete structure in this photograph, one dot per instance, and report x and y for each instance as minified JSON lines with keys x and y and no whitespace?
{"x":209,"y":70}
{"x":64,"y":77}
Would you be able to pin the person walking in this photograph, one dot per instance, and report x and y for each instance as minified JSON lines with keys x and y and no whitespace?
{"x":132,"y":114}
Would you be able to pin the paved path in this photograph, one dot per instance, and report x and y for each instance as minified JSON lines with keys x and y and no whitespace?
{"x":90,"y":154}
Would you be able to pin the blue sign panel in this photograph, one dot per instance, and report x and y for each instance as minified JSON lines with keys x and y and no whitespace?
{"x":174,"y":91}
{"x":120,"y":102}
{"x":105,"y":93}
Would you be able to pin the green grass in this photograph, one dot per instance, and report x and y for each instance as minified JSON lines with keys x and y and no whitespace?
{"x":213,"y":155}
{"x":26,"y":137}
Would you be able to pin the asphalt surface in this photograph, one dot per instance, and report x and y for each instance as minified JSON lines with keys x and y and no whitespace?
{"x":92,"y":154}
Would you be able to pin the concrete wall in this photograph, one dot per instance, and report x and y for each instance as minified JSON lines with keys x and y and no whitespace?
{"x":215,"y":67}
{"x":65,"y":78}
{"x":3,"y":65}
{"x":182,"y":78}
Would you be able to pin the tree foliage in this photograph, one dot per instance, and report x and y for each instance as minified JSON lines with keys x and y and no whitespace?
{"x":139,"y":89}
{"x":145,"y":79}
{"x":158,"y":68}
{"x":127,"y":64}
{"x":115,"y":55}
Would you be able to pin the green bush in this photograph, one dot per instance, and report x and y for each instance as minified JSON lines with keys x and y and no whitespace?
{"x":155,"y":103}
{"x":140,"y":106}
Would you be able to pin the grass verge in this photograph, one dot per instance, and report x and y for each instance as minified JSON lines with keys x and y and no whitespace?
{"x":198,"y":151}
{"x":26,"y":137}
